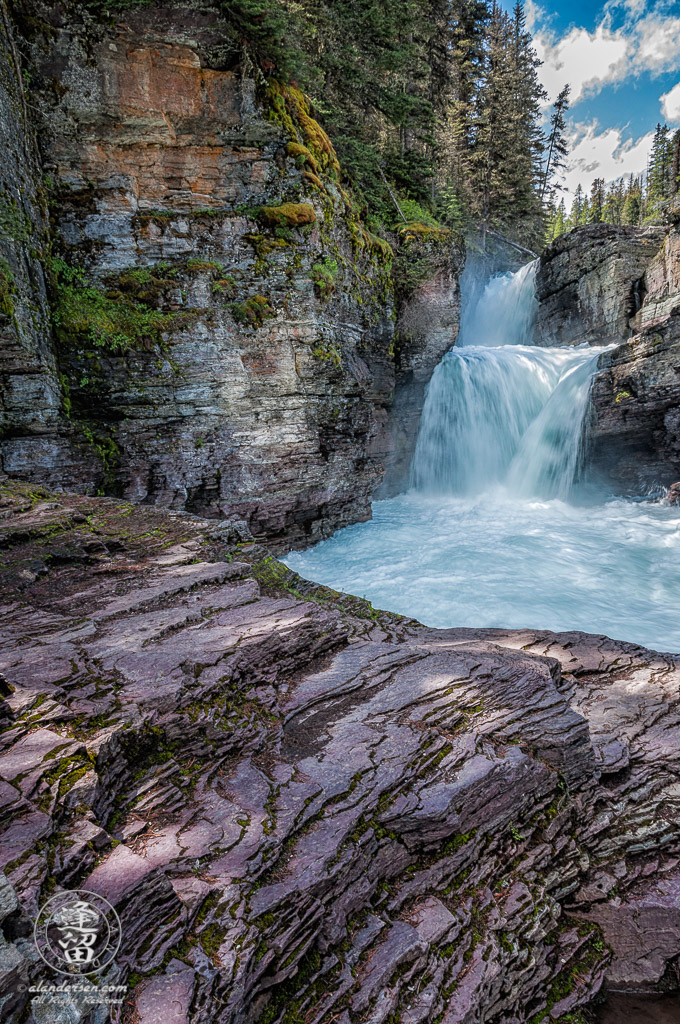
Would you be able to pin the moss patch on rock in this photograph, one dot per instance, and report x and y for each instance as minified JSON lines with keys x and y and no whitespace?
{"x":287,"y":215}
{"x":118,"y":314}
{"x":254,"y":311}
{"x":7,"y":289}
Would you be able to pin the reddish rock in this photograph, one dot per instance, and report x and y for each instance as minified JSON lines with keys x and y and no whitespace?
{"x":294,"y":801}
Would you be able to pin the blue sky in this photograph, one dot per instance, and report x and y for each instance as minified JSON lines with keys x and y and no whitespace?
{"x":622,"y":60}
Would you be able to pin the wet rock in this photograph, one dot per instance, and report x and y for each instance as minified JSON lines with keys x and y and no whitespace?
{"x":603,"y":284}
{"x":290,"y":804}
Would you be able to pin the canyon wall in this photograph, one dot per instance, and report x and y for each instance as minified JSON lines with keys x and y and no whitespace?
{"x":634,"y":433}
{"x":587,"y":283}
{"x":223,"y":331}
{"x":602,"y":284}
{"x":31,"y":390}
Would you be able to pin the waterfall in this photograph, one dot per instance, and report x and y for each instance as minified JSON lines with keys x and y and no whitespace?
{"x":499,"y":411}
{"x":484,"y":535}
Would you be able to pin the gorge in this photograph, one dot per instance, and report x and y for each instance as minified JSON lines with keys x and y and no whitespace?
{"x":439,"y":785}
{"x":494,"y":529}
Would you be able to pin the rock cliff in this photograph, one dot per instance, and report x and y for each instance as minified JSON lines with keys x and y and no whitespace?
{"x":223,"y":319}
{"x":588,"y":283}
{"x":602,"y":284}
{"x":634,"y":434}
{"x":308,"y":810}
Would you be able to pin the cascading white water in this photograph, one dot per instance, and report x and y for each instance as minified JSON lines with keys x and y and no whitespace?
{"x":486,"y":535}
{"x":499,"y":410}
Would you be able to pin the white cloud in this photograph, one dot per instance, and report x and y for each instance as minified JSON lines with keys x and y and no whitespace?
{"x":590,"y":60}
{"x":658,"y":44}
{"x":586,"y":60}
{"x":670,"y":104}
{"x":603,"y":154}
{"x":533,"y":14}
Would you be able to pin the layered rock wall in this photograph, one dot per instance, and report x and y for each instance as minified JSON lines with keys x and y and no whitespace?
{"x":634,"y":433}
{"x":31,"y":389}
{"x":426,"y":329}
{"x":223,"y":320}
{"x":603,"y":284}
{"x":588,"y":283}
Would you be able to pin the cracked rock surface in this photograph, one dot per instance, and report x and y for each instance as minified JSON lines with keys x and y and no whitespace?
{"x":307,"y":810}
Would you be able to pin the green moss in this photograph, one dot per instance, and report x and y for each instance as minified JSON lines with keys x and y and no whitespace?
{"x":211,"y":938}
{"x":14,"y":223}
{"x":67,"y":771}
{"x":313,"y":179}
{"x":7,"y":289}
{"x":379,"y":245}
{"x":324,"y":275}
{"x":85,"y":314}
{"x":253,"y":312}
{"x":288,"y":996}
{"x":291,"y":108}
{"x":454,"y":844}
{"x":197,"y":266}
{"x":224,"y":286}
{"x":622,"y":395}
{"x":303,"y":157}
{"x":328,"y":353}
{"x":416,"y":231}
{"x":105,"y":448}
{"x":292,"y":215}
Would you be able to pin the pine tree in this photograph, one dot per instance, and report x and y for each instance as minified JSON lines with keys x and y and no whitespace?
{"x":675,"y":165}
{"x":585,"y":213}
{"x":596,"y":205}
{"x":631,"y":212}
{"x":557,"y":221}
{"x":612,"y":207}
{"x":436,"y":101}
{"x":504,"y":161}
{"x":557,"y":146}
{"x":659,"y":171}
{"x":575,"y":218}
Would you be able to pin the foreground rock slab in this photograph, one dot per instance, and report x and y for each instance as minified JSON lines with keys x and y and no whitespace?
{"x":307,"y":810}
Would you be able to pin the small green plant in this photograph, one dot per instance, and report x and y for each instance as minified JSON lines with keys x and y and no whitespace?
{"x":224,"y":286}
{"x":253,"y":312}
{"x":84,"y":313}
{"x":622,"y":395}
{"x":515,"y":833}
{"x":327,"y":353}
{"x":14,"y":223}
{"x":324,"y":276}
{"x":413,"y":211}
{"x":7,"y":289}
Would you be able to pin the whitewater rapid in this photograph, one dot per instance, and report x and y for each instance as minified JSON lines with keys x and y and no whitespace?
{"x":491,"y":531}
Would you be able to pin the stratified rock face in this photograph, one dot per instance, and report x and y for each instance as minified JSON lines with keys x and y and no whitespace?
{"x":207,"y":209}
{"x":31,"y":395}
{"x":660,"y":287}
{"x":634,"y":433}
{"x":304,"y":809}
{"x":588,"y":283}
{"x":634,"y":430}
{"x":427,"y":328}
